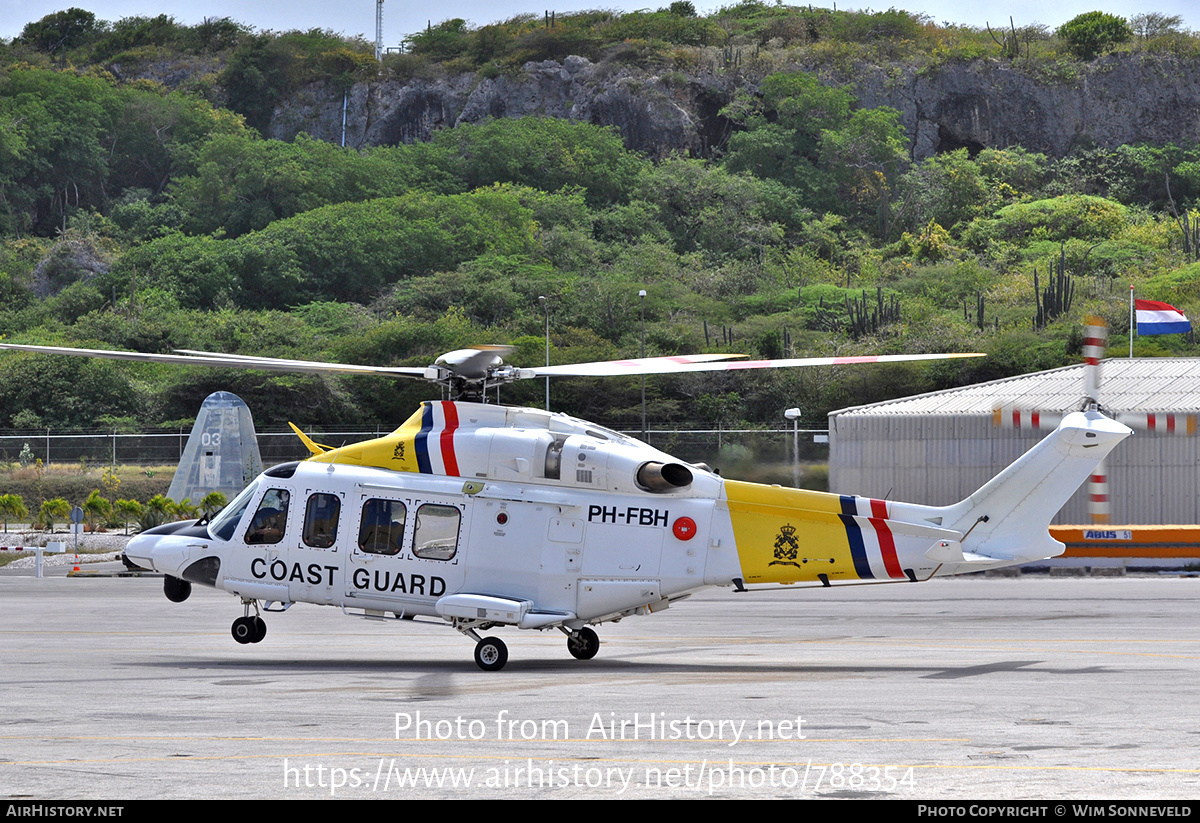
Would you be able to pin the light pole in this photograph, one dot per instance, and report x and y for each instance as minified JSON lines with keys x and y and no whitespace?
{"x":642,"y":294}
{"x":794,"y":416}
{"x":546,"y":306}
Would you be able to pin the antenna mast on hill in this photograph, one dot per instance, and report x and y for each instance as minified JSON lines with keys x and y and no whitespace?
{"x":378,"y":29}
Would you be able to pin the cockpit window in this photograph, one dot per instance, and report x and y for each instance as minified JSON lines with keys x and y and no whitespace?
{"x":382,"y":530}
{"x":321,"y":520}
{"x":225,"y":523}
{"x":270,"y":519}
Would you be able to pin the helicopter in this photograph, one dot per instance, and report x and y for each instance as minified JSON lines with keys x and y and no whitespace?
{"x":483,"y":516}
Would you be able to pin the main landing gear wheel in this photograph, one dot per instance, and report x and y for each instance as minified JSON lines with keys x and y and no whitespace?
{"x":583,"y":644}
{"x":491,"y":654}
{"x":249,"y":629}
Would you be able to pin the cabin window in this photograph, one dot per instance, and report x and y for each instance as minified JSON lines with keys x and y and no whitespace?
{"x":436,"y":534}
{"x":321,"y":520}
{"x":270,"y":519}
{"x":382,"y":530}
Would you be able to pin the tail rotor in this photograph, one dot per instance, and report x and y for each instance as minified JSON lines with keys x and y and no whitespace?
{"x":1095,"y":341}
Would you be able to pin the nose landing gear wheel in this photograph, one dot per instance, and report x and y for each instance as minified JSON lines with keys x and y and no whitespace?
{"x":249,"y":629}
{"x":491,"y":654}
{"x":175,"y":589}
{"x":583,"y":644}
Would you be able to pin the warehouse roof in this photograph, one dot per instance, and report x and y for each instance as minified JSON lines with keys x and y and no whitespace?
{"x":1152,"y":384}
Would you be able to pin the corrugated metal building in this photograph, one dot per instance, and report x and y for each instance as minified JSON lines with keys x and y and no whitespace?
{"x":937,"y":448}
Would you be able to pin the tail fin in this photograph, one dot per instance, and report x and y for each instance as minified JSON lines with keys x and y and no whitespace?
{"x":221,"y":454}
{"x":1008,"y":518}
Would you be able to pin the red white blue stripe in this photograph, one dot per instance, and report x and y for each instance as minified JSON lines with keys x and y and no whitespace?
{"x":872,"y":545}
{"x":434,"y":443}
{"x":1154,"y":317}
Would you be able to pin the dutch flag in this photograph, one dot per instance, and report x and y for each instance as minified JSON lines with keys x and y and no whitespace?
{"x":1154,"y":317}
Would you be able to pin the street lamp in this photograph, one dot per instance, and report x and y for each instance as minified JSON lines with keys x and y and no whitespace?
{"x":546,"y":306}
{"x":642,"y":294}
{"x":794,"y":416}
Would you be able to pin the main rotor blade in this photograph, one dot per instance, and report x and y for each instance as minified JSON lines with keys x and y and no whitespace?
{"x":635,"y":365}
{"x":232,"y":361}
{"x":253,"y":361}
{"x":709,"y":362}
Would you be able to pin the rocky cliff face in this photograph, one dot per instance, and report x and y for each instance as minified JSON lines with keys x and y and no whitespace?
{"x":981,"y":104}
{"x":652,"y":114}
{"x":992,"y":104}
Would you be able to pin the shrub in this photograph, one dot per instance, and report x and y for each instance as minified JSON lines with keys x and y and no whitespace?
{"x":1094,"y":32}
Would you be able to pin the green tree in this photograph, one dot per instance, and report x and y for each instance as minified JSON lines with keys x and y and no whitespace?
{"x":158,"y":510}
{"x":265,"y":68}
{"x":128,"y":510}
{"x":1155,"y":24}
{"x":441,"y":42}
{"x":866,"y":157}
{"x":948,"y":189}
{"x":96,"y":508}
{"x":1092,"y":33}
{"x":61,"y":30}
{"x":212,"y":503}
{"x":12,"y":507}
{"x":546,"y":153}
{"x":66,"y":391}
{"x":52,"y":510}
{"x":185,"y":509}
{"x":69,"y":143}
{"x":52,"y":142}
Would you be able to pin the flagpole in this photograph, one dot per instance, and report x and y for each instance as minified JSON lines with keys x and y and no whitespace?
{"x":1131,"y":322}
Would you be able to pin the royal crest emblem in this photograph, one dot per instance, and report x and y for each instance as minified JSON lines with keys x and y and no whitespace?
{"x":398,"y":452}
{"x":787,"y":547}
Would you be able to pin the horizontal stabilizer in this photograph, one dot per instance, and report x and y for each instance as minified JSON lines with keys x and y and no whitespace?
{"x":313,"y":447}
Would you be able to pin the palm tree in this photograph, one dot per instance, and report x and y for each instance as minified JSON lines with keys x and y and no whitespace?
{"x":158,"y":510}
{"x":51,"y":510}
{"x":96,"y":507}
{"x":184,"y":510}
{"x":212,"y":503}
{"x":128,"y":510}
{"x":12,"y":507}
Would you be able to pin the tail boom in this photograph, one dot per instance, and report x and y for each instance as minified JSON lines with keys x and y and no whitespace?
{"x":817,"y":538}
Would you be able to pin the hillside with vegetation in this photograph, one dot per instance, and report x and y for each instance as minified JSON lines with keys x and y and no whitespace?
{"x":146,"y":204}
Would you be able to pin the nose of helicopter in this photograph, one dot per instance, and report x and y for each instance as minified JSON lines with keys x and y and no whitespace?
{"x":140,"y":550}
{"x":166,"y":553}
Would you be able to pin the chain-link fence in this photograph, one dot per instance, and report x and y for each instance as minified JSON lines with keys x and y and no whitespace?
{"x":737,"y":452}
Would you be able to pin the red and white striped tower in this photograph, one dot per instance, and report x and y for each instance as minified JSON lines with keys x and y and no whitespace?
{"x":1099,"y":505}
{"x":1095,"y":340}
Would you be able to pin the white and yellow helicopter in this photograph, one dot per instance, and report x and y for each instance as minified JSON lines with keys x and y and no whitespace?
{"x":485,"y":516}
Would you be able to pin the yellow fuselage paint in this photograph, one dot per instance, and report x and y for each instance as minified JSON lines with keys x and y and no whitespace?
{"x":394,"y":451}
{"x":788,"y":535}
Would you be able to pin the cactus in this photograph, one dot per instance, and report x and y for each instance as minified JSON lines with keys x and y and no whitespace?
{"x":861,"y":324}
{"x":1055,"y":300}
{"x":1010,"y":46}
